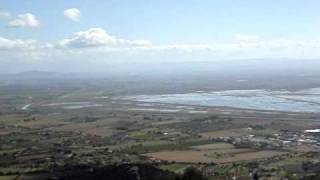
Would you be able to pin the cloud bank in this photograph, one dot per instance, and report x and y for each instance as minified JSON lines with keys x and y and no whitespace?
{"x":21,"y":45}
{"x":96,"y":45}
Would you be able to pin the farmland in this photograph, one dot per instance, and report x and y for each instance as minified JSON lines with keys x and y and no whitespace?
{"x":42,"y":131}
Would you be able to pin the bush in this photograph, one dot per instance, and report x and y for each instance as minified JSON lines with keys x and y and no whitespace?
{"x":192,"y":173}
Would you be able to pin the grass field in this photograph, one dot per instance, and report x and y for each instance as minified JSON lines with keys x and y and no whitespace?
{"x":213,"y":146}
{"x":213,"y":153}
{"x":225,"y":133}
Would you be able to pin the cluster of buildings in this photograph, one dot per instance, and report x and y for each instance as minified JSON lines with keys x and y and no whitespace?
{"x":285,"y":139}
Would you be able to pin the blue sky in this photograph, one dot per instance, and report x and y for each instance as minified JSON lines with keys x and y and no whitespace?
{"x":126,"y":31}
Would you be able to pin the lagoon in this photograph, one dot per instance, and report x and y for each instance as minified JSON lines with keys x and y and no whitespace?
{"x":292,"y":101}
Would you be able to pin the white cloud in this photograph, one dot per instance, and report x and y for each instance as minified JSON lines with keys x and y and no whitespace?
{"x":246,"y":37}
{"x":19,"y":44}
{"x":98,"y":37}
{"x":24,"y":20}
{"x":93,"y":37}
{"x":5,"y":15}
{"x":133,"y":42}
{"x":72,"y":14}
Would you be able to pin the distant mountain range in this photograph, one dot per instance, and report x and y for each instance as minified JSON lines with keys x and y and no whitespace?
{"x":37,"y":74}
{"x":43,"y":75}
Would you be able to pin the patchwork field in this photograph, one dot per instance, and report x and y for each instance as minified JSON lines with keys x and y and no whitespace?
{"x":213,"y":153}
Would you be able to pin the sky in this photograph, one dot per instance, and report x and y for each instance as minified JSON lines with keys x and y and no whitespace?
{"x":98,"y":35}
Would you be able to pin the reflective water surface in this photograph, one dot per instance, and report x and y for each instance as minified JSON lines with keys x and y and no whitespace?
{"x":293,"y":101}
